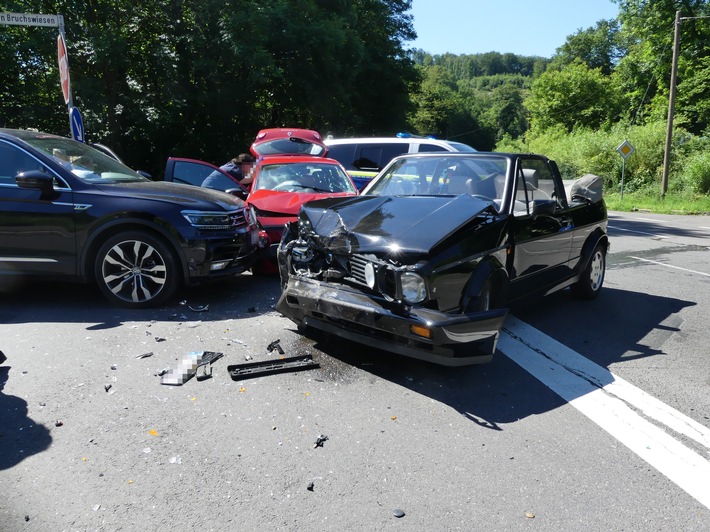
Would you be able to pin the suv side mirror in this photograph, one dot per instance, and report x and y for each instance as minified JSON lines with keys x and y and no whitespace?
{"x":241,"y":193}
{"x":38,"y":180}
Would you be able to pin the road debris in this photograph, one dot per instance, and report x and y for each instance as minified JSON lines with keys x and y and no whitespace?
{"x":160,"y":339}
{"x":188,"y":366}
{"x":320,"y":440}
{"x":310,"y":486}
{"x":276,"y":344}
{"x":398,"y":513}
{"x":271,"y":367}
{"x":145,"y":355}
{"x":199,"y":308}
{"x":107,"y":387}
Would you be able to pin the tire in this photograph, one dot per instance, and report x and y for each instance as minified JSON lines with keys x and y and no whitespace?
{"x":590,"y":282}
{"x":134,"y":269}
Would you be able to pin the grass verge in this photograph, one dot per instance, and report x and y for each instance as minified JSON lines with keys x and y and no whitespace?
{"x":646,"y":202}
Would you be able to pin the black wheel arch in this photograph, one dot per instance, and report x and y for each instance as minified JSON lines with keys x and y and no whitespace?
{"x":597,"y":237}
{"x":121,"y":225}
{"x":489,"y":268}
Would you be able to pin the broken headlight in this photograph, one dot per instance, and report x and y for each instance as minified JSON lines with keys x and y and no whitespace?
{"x":413,"y":287}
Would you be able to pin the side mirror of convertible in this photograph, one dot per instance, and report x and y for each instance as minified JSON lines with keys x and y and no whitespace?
{"x":544,"y":207}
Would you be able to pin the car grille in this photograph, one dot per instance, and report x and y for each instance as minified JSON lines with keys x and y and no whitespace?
{"x":357,"y":268}
{"x":238,"y":218}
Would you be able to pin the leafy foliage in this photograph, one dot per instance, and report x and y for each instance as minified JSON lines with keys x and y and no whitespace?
{"x":200,"y":78}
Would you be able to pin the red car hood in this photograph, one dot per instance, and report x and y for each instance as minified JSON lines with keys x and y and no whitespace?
{"x":275,"y":201}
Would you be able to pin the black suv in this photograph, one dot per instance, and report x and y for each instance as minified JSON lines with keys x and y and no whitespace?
{"x":70,"y":211}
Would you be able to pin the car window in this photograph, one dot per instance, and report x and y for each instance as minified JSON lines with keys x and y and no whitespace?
{"x":376,"y":156}
{"x":303,"y":177}
{"x":191,"y":173}
{"x":14,"y":161}
{"x":431,"y":147}
{"x":344,"y":154}
{"x":481,"y":176}
{"x":84,"y":161}
{"x":535,"y":182}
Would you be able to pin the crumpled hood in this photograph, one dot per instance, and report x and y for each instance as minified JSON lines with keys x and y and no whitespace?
{"x":189,"y":196}
{"x":390,"y":224}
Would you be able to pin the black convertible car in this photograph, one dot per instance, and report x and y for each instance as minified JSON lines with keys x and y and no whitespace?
{"x":425,"y":262}
{"x":68,"y":211}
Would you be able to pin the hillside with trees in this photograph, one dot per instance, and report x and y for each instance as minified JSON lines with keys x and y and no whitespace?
{"x":180,"y":78}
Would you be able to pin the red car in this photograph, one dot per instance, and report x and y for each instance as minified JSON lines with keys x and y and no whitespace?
{"x":291,"y":169}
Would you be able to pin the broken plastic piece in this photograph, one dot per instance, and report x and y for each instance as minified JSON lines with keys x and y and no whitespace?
{"x":145,"y":355}
{"x":320,"y":440}
{"x":270,"y":367}
{"x":188,"y":367}
{"x":310,"y":486}
{"x":204,"y":372}
{"x":276,"y":344}
{"x":184,"y":371}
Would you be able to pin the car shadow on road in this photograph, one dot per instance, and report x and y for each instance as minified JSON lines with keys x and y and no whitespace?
{"x":237,"y":297}
{"x":502,"y":392}
{"x":20,"y":436}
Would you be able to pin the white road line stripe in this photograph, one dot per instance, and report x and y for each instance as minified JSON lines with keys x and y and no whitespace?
{"x":608,"y":400}
{"x":638,"y":232}
{"x":671,"y":266}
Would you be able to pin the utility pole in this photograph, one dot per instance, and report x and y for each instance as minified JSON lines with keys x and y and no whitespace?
{"x":671,"y":105}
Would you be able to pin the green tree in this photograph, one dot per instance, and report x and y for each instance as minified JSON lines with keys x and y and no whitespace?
{"x":200,"y":78}
{"x":572,"y":97}
{"x":599,"y":47}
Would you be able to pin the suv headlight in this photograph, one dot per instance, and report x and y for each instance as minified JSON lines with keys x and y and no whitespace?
{"x":209,"y":220}
{"x":413,"y":287}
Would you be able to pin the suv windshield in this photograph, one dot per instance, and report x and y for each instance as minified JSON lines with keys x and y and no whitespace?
{"x":83,"y":161}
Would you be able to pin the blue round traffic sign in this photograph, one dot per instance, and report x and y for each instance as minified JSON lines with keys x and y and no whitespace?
{"x":77,"y":124}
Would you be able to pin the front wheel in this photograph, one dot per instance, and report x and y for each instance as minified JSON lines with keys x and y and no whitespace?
{"x":591,"y":280}
{"x":135,"y":269}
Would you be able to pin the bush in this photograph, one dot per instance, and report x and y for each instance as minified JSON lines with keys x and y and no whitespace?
{"x":695,"y":174}
{"x":595,"y":152}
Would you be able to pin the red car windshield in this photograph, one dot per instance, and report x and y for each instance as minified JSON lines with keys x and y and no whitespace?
{"x":303,"y":177}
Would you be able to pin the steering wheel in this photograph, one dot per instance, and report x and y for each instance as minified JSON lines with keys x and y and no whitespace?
{"x":288,"y":186}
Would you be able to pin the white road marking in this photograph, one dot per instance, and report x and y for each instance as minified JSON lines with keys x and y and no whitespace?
{"x":612,"y":403}
{"x":639,"y":232}
{"x":671,"y":266}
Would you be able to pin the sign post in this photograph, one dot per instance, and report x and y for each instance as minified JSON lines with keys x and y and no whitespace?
{"x":76,"y":125}
{"x":63,"y":60}
{"x":625,"y":149}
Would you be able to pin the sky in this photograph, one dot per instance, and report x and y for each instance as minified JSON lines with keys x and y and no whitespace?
{"x":522,"y":27}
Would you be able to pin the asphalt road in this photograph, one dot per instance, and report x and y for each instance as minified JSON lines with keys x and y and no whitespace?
{"x":537,"y":440}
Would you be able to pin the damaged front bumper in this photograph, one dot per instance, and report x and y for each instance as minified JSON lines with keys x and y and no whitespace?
{"x":454,"y":339}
